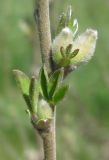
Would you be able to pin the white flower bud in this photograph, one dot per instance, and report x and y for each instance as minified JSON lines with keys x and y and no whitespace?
{"x":62,"y":40}
{"x":86,"y":44}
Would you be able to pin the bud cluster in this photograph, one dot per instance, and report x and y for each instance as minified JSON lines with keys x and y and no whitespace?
{"x":68,"y":50}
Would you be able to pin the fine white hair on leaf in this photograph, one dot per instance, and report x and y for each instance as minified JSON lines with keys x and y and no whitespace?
{"x":44,"y":111}
{"x":70,"y":11}
{"x":75,"y":25}
{"x":63,"y":39}
{"x":86,"y":44}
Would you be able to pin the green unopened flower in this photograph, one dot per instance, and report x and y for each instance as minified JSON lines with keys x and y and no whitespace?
{"x":84,"y":46}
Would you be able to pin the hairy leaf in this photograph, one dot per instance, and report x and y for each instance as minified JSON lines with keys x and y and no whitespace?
{"x":22,"y":80}
{"x":44,"y":82}
{"x":28,"y":102}
{"x":71,"y":22}
{"x":60,"y":93}
{"x":43,"y":111}
{"x":61,"y":23}
{"x":74,"y":53}
{"x":54,"y":82}
{"x":68,"y":49}
{"x":34,"y":93}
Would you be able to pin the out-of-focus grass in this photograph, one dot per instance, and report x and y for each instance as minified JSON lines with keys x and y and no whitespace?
{"x":83,"y":117}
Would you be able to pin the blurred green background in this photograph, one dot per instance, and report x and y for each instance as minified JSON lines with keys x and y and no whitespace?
{"x":83,"y":116}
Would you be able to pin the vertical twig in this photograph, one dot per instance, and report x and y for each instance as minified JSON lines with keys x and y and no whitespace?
{"x":49,"y":141}
{"x":43,"y":22}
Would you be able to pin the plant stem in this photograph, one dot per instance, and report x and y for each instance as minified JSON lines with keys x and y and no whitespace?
{"x":43,"y":21}
{"x":49,"y":142}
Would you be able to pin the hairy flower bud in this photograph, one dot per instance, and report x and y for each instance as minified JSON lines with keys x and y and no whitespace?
{"x":86,"y":44}
{"x":62,"y":40}
{"x":81,"y":49}
{"x":44,"y":111}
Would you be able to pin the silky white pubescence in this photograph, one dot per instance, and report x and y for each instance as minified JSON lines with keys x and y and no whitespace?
{"x":86,"y":44}
{"x":64,"y":38}
{"x":44,"y":111}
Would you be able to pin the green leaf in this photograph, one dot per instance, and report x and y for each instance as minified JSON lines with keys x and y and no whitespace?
{"x":23,"y":81}
{"x":44,"y":82}
{"x":71,"y":22}
{"x":67,"y":20}
{"x":60,"y":93}
{"x":68,"y":49}
{"x":74,"y":53}
{"x":74,"y":27}
{"x":69,"y":16}
{"x":61,"y":23}
{"x":62,"y":50}
{"x":28,"y":102}
{"x":34,"y":93}
{"x":54,"y":81}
